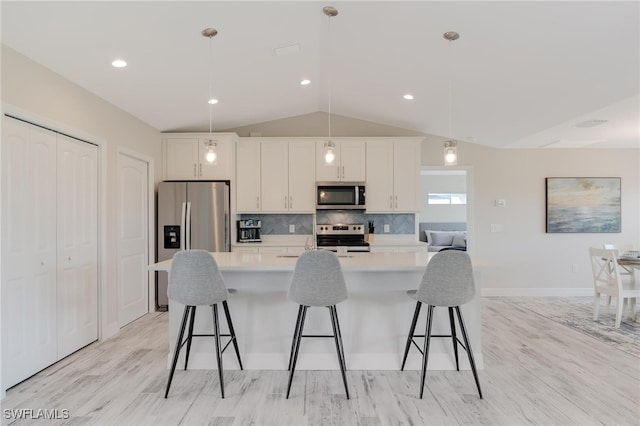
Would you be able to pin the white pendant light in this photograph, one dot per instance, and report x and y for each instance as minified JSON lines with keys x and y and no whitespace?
{"x":210,"y":155}
{"x":450,"y":146}
{"x":329,"y":146}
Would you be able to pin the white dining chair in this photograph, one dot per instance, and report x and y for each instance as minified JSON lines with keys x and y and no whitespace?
{"x":608,"y":281}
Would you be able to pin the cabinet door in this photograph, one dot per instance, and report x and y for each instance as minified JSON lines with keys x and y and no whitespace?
{"x":302,"y":177}
{"x":248,"y":176}
{"x":77,"y":279}
{"x":275,"y":176}
{"x":380,"y":177}
{"x":181,"y":158}
{"x":221,"y":168}
{"x":353,"y":161}
{"x":406,"y":159}
{"x":327,"y":172}
{"x":29,"y":341}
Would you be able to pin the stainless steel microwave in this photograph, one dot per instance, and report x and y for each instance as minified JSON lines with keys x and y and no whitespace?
{"x":340,"y":196}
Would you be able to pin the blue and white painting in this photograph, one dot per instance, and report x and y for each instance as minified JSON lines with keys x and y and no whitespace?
{"x":583,"y":205}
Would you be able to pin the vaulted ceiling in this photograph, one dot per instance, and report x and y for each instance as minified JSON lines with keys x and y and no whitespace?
{"x":522,"y":74}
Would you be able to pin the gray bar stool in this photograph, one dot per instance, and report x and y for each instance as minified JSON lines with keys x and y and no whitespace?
{"x":195,"y":280}
{"x":317,"y":281}
{"x":447,"y":281}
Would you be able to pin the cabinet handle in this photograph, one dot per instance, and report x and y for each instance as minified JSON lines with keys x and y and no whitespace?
{"x":342,"y":172}
{"x":391,"y":201}
{"x":258,"y":202}
{"x":290,"y":201}
{"x":194,"y":170}
{"x":396,"y":201}
{"x":338,"y":169}
{"x":200,"y":170}
{"x":285,"y":202}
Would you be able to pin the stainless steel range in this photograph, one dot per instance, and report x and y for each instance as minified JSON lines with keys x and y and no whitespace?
{"x":350,"y":235}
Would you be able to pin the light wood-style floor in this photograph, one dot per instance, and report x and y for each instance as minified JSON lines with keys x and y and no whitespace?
{"x":536,"y":372}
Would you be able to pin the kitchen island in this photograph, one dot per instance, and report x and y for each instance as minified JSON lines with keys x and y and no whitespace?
{"x":374,"y":320}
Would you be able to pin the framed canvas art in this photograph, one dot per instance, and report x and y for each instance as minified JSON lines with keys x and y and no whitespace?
{"x":583,"y":205}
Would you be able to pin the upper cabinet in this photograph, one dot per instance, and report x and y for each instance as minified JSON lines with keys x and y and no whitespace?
{"x":275,"y":176}
{"x":248,"y":176}
{"x":393,"y":175}
{"x":184,"y":156}
{"x":348,"y":165}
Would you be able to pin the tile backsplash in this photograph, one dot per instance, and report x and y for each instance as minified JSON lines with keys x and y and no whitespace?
{"x":274,"y":224}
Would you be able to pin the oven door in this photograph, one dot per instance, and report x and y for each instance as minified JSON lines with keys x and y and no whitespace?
{"x":340,"y":196}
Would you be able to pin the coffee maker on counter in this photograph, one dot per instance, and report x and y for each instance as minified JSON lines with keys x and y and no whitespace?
{"x":249,"y":230}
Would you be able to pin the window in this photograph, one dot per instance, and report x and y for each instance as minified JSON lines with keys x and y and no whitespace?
{"x":450,"y":198}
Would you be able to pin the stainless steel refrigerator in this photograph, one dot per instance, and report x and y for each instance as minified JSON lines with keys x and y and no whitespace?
{"x":191,"y":215}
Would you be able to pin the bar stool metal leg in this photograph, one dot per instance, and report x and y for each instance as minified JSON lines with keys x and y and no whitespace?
{"x":295,"y":337}
{"x":298,"y":336}
{"x":412,"y":330}
{"x":454,"y":337}
{"x":425,"y":352}
{"x":339,"y":350}
{"x":469,"y":350}
{"x":176,"y":351}
{"x":216,"y":330}
{"x":232,"y":332}
{"x":190,"y":335}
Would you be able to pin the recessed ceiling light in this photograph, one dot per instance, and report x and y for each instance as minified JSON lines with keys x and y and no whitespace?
{"x":305,"y":82}
{"x":119,"y":63}
{"x":408,"y":96}
{"x":212,"y":101}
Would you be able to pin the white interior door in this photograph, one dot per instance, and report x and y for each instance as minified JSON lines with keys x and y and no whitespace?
{"x":77,"y":284}
{"x":133,"y":244}
{"x":28,"y":250}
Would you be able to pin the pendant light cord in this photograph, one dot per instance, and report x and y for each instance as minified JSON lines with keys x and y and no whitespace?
{"x":450,"y":71}
{"x":329,"y":69}
{"x":210,"y":86}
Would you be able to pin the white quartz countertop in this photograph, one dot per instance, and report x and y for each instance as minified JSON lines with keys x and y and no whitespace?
{"x":363,"y":262}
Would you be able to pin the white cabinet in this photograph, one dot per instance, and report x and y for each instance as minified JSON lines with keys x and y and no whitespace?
{"x":248,"y":176}
{"x":275,"y":176}
{"x":49,"y":248}
{"x":393,"y":176}
{"x":349,"y":164}
{"x":288,"y":176}
{"x":184,"y":157}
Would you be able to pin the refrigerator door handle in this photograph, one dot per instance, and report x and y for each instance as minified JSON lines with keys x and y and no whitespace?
{"x":187,"y":238}
{"x":183,"y":227}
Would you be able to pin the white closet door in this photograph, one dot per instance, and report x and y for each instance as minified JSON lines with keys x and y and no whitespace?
{"x":133,"y":245}
{"x":77,"y":244}
{"x":28,"y":250}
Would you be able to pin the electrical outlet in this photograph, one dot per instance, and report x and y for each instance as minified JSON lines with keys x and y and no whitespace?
{"x":292,"y":229}
{"x":386,"y":228}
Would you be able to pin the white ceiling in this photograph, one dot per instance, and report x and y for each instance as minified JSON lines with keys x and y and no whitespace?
{"x":523,"y":74}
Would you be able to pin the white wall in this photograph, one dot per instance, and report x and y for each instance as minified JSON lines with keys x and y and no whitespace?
{"x":523,"y":259}
{"x":29,"y":87}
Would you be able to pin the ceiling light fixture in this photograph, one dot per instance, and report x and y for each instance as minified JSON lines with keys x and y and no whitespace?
{"x":119,"y":63}
{"x":210,"y":155}
{"x":329,"y":146}
{"x":450,"y":146}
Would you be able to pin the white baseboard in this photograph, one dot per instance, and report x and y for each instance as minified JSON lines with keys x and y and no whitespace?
{"x":537,"y":292}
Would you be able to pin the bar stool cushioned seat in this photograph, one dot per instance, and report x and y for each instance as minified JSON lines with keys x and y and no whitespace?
{"x":448,"y":282}
{"x":317,"y":281}
{"x":195,"y":280}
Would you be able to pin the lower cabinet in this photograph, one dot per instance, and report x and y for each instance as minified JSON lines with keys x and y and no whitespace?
{"x":49,"y":248}
{"x":399,"y":249}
